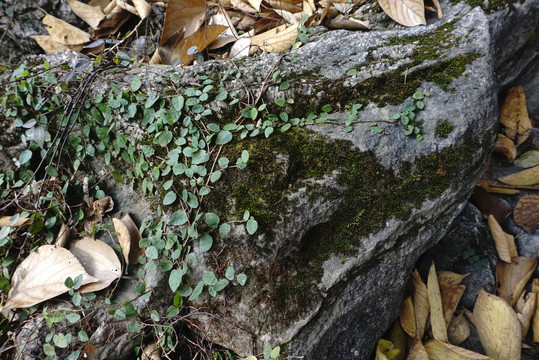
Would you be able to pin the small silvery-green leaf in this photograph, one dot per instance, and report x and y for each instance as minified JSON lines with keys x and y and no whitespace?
{"x":133,"y":326}
{"x":280,"y":102}
{"x":419,"y":137}
{"x":418,"y":95}
{"x":246,"y":215}
{"x":51,"y":170}
{"x":405,"y":120}
{"x":268,"y":131}
{"x":212,"y":220}
{"x":152,"y":98}
{"x":216,"y":175}
{"x":221,"y":96}
{"x":251,"y":226}
{"x":165,"y":265}
{"x":242,"y":279}
{"x":209,"y":278}
{"x":284,"y":85}
{"x":185,"y":290}
{"x":197,"y":291}
{"x":72,"y":317}
{"x":221,"y":284}
{"x":229,"y":273}
{"x":204,"y":191}
{"x":327,"y":108}
{"x":348,"y":129}
{"x":60,"y":340}
{"x":420,"y":105}
{"x":351,"y":72}
{"x":410,"y":130}
{"x":135,"y":84}
{"x":275,"y":352}
{"x":245,"y":156}
{"x":177,"y":102}
{"x":154,"y":315}
{"x":82,"y":336}
{"x":376,"y":129}
{"x":394,"y":116}
{"x":267,"y":352}
{"x":200,"y":157}
{"x":223,"y":137}
{"x":170,"y":197}
{"x":178,"y":218}
{"x":206,"y":242}
{"x":172,"y":311}
{"x":25,"y":156}
{"x":223,"y":162}
{"x":175,"y":279}
{"x":48,"y":349}
{"x":224,"y":229}
{"x":152,"y":253}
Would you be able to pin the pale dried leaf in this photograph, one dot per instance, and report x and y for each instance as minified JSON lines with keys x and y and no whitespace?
{"x":112,"y":21}
{"x":505,"y":146}
{"x":505,"y":243}
{"x":293,"y":6}
{"x":182,"y":16}
{"x":255,"y":4}
{"x":526,"y":213}
{"x":528,"y":159}
{"x":143,"y":8}
{"x":92,"y":15}
{"x":124,"y":238}
{"x":50,"y":46}
{"x":64,"y":33}
{"x":514,"y":115}
{"x":525,"y":308}
{"x":458,"y":330}
{"x":451,"y":295}
{"x":512,"y":277}
{"x":535,"y":324}
{"x":438,"y":350}
{"x":421,"y":304}
{"x":151,"y":352}
{"x":41,"y":276}
{"x":287,"y":16}
{"x":240,"y":48}
{"x":497,"y":190}
{"x":450,"y":278}
{"x":498,"y":327}
{"x":63,"y":236}
{"x":276,"y":40}
{"x":525,"y":177}
{"x":308,"y":7}
{"x":417,"y":351}
{"x":405,"y":12}
{"x":200,"y":39}
{"x":243,"y":6}
{"x":102,"y":4}
{"x":135,"y":237}
{"x":407,"y":316}
{"x":99,"y":260}
{"x":439,"y":327}
{"x":348,"y":23}
{"x":6,"y":220}
{"x":102,"y":206}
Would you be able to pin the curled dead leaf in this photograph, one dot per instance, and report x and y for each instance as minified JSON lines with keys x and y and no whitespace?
{"x":63,"y":236}
{"x":458,"y":330}
{"x":99,"y":260}
{"x":438,"y":350}
{"x":451,"y":295}
{"x":535,"y":324}
{"x":506,"y":147}
{"x":514,"y":115}
{"x":417,"y":351}
{"x":92,"y":15}
{"x":490,"y":204}
{"x":505,"y":243}
{"x":437,"y":321}
{"x":421,"y":304}
{"x":41,"y":276}
{"x":13,"y":221}
{"x":407,"y":316}
{"x":129,"y":238}
{"x":485,"y":184}
{"x":276,"y":40}
{"x":405,"y":12}
{"x":498,"y":327}
{"x":512,"y":277}
{"x":526,"y":213}
{"x":450,"y":278}
{"x":199,"y":40}
{"x":525,"y":308}
{"x":64,"y":33}
{"x":525,"y":177}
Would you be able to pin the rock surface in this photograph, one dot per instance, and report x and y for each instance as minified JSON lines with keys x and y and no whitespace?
{"x":343,"y":216}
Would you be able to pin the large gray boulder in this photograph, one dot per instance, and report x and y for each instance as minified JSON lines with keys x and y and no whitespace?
{"x":343,"y":216}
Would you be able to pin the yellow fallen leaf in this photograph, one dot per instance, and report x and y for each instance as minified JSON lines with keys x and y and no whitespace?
{"x":439,"y":327}
{"x":417,"y":351}
{"x":506,"y":147}
{"x":41,"y":276}
{"x":451,"y":295}
{"x":497,"y":190}
{"x":255,"y":4}
{"x":505,"y":243}
{"x":129,"y":238}
{"x":152,"y":352}
{"x":277,"y":39}
{"x":143,"y":8}
{"x":13,"y":221}
{"x":99,"y":260}
{"x":385,"y":350}
{"x":525,"y":177}
{"x":293,"y":6}
{"x":514,"y":115}
{"x":92,"y":15}
{"x":198,"y":41}
{"x":512,"y":277}
{"x":458,"y":330}
{"x":405,"y":12}
{"x":526,"y":213}
{"x":407,"y":317}
{"x":450,"y":278}
{"x":525,"y":308}
{"x":535,"y":324}
{"x":114,"y":19}
{"x":50,"y":46}
{"x":64,"y":33}
{"x":498,"y":327}
{"x":421,"y":304}
{"x":438,"y":350}
{"x":182,"y":15}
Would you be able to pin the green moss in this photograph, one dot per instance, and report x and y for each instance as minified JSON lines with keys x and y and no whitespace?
{"x":374,"y":196}
{"x":443,"y":129}
{"x":488,"y":5}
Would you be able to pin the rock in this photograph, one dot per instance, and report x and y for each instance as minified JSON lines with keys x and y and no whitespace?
{"x":343,"y":216}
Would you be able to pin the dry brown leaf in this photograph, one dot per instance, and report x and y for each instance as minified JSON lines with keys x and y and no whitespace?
{"x":151,"y":352}
{"x":243,"y":6}
{"x":64,"y":33}
{"x":438,"y":350}
{"x":255,"y":4}
{"x":293,"y":6}
{"x":498,"y":327}
{"x":535,"y":324}
{"x":92,"y":15}
{"x":101,"y":3}
{"x":129,"y":238}
{"x":240,"y":48}
{"x":490,"y":204}
{"x":398,"y":339}
{"x":505,"y":243}
{"x":63,"y":236}
{"x":348,"y":23}
{"x":99,"y":260}
{"x":526,"y":213}
{"x":200,"y":39}
{"x":506,"y":147}
{"x":13,"y":221}
{"x":182,"y":16}
{"x":308,"y":7}
{"x":287,"y":16}
{"x":407,"y":316}
{"x":421,"y":304}
{"x":276,"y":40}
{"x":525,"y":177}
{"x":50,"y":46}
{"x":41,"y":276}
{"x":512,"y":277}
{"x":434,"y":5}
{"x":514,"y":115}
{"x":439,"y":327}
{"x":405,"y":12}
{"x":458,"y":330}
{"x":525,"y":308}
{"x":114,"y":19}
{"x":485,"y":184}
{"x":143,"y":8}
{"x":451,"y":295}
{"x":417,"y":351}
{"x":450,"y":278}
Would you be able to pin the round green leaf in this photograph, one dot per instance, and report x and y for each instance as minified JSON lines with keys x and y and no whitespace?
{"x":206,"y":242}
{"x":242,"y":279}
{"x":229,"y":273}
{"x":223,"y":137}
{"x":224,"y":229}
{"x":212,"y":220}
{"x":178,"y":218}
{"x":251,"y":226}
{"x":175,"y":279}
{"x":170,"y":197}
{"x":209,"y":278}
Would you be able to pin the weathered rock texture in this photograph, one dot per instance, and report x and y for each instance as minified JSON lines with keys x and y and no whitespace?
{"x":343,"y":216}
